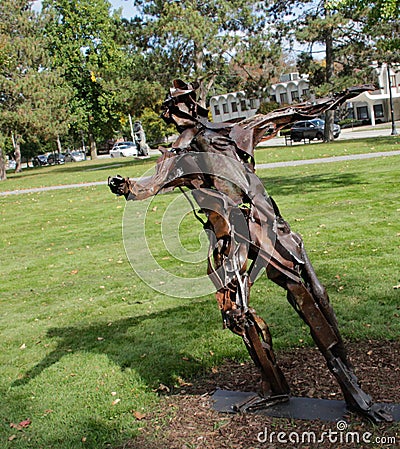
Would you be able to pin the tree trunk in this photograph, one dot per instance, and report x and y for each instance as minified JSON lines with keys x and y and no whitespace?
{"x":17,"y":152}
{"x":93,"y":148}
{"x":3,"y":173}
{"x":329,"y":115}
{"x":59,"y":147}
{"x":199,"y":60}
{"x":328,"y":129}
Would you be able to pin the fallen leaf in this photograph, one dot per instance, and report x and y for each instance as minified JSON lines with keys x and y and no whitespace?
{"x":83,"y":439}
{"x":21,"y":425}
{"x":23,"y":346}
{"x":162,"y":387}
{"x":73,"y":272}
{"x":25,"y":423}
{"x":139,"y":415}
{"x":115,"y":402}
{"x":12,"y":437}
{"x":183,"y":383}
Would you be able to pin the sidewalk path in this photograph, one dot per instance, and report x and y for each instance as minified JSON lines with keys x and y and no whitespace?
{"x":323,"y":160}
{"x":45,"y":189}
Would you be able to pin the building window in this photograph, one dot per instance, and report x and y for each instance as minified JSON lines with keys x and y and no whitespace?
{"x":216,"y":110}
{"x":305,"y":93}
{"x":378,"y":110}
{"x":393,"y":80}
{"x":253,"y":103}
{"x":283,"y":97}
{"x":225,"y":108}
{"x":362,"y":113}
{"x":243,"y":105}
{"x":272,"y":98}
{"x":234,"y":106}
{"x":295,"y":95}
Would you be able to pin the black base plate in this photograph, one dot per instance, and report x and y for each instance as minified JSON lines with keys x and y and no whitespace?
{"x":226,"y":401}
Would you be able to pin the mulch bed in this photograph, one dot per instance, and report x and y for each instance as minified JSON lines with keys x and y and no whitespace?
{"x":185,"y":419}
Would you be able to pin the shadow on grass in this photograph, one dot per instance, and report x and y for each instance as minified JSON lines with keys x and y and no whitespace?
{"x":157,"y":345}
{"x":287,"y":185}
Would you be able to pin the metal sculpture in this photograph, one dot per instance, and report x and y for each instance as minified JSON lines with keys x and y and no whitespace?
{"x":247,"y":233}
{"x":140,"y":138}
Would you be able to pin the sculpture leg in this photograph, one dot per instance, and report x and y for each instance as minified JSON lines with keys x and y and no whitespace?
{"x":255,"y":334}
{"x":327,"y":337}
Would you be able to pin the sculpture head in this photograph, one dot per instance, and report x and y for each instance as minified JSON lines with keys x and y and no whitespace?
{"x":181,"y":107}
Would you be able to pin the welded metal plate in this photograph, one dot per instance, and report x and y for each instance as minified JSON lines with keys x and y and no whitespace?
{"x":227,"y":401}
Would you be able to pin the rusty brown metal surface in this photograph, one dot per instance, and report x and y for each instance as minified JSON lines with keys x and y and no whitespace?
{"x":248,"y":234}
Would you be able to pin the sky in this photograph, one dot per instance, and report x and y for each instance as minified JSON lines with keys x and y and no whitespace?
{"x":126,"y":5}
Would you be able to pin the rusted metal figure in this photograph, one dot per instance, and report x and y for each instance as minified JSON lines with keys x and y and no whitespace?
{"x":248,"y":234}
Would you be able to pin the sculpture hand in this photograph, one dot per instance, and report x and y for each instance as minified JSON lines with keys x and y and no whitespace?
{"x":118,"y":185}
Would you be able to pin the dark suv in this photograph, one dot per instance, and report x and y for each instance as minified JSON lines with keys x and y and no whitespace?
{"x":311,"y":129}
{"x":55,"y":158}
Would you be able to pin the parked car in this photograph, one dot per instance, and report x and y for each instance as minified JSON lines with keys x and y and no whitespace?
{"x":40,"y":160}
{"x":124,"y":149}
{"x":311,"y":129}
{"x":11,"y":164}
{"x":55,"y":158}
{"x":74,"y":156}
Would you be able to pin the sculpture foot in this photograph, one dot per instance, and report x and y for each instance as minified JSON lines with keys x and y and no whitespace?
{"x":376,"y":413}
{"x":258,"y":402}
{"x":357,"y":400}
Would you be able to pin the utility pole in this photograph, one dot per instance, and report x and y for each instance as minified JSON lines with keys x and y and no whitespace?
{"x":131,"y":126}
{"x":394,"y":130}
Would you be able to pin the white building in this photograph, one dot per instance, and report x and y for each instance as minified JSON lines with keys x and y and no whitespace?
{"x":293,"y":88}
{"x":235,"y":105}
{"x":375,"y":106}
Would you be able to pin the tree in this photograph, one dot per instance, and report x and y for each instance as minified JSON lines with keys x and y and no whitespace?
{"x":316,"y":22}
{"x":377,"y":10}
{"x":33,"y":100}
{"x":380,"y":21}
{"x":82,"y":41}
{"x":195,"y":39}
{"x":3,"y":173}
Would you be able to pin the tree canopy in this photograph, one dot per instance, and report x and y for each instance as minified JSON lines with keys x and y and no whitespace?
{"x":78,"y":69}
{"x":33,"y":98}
{"x":201,"y":40}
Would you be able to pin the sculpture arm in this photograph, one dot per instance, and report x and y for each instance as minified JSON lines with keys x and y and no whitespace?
{"x":136,"y":190}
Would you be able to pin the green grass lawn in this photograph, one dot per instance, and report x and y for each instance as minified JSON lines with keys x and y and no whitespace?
{"x":75,"y":173}
{"x":320,"y":150}
{"x":85,"y":343}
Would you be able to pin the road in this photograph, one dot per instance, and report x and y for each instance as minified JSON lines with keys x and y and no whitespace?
{"x":346,"y":134}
